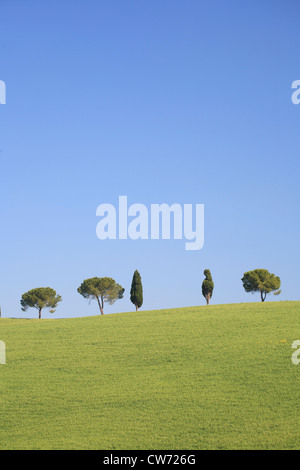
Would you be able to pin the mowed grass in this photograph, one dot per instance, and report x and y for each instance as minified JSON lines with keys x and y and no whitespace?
{"x":217,"y":377}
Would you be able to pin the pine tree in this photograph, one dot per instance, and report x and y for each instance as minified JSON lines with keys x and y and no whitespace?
{"x":260,"y":280}
{"x":39,"y":298}
{"x":136,"y":291}
{"x":102,"y":289}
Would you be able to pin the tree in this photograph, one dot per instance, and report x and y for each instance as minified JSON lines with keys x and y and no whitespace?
{"x":136,"y":291}
{"x":42,"y":297}
{"x":260,"y":280}
{"x":207,"y":286}
{"x":104,"y":289}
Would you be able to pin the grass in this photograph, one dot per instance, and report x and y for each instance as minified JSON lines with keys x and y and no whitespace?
{"x":217,"y":377}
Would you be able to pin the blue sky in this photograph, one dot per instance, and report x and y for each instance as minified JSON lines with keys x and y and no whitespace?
{"x":162,"y":101}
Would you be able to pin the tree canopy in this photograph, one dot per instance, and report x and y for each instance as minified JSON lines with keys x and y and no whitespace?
{"x":260,"y":280}
{"x":136,"y":291}
{"x":103,"y":289}
{"x":39,"y":298}
{"x":207,"y":286}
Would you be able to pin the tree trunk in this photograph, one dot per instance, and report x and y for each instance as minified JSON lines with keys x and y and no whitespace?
{"x":136,"y":308}
{"x":100,"y":306}
{"x":207,"y":299}
{"x":40,"y":313}
{"x":262,"y":296}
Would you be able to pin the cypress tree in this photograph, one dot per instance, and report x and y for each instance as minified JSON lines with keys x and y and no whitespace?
{"x":207,"y":286}
{"x":136,"y":291}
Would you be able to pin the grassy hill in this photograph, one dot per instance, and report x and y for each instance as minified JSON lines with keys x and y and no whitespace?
{"x":217,"y":377}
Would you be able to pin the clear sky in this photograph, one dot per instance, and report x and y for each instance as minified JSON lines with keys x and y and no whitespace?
{"x":163,"y":101}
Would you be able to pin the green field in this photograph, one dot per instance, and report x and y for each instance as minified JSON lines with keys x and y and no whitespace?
{"x":217,"y":377}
